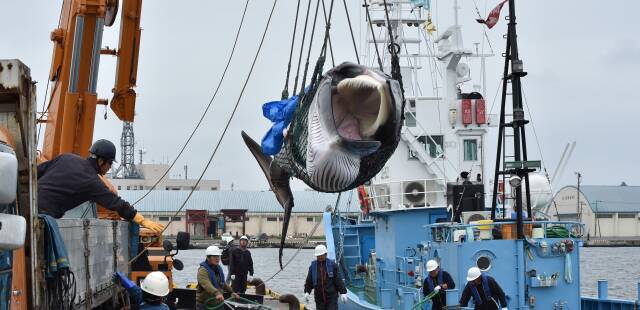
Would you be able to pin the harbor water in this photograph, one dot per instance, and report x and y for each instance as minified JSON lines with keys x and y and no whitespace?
{"x":618,"y":265}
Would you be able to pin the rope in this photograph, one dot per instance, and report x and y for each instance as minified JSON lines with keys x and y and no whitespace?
{"x":306,"y":65}
{"x":373,"y":35}
{"x":426,"y":298}
{"x":306,"y":240}
{"x":61,"y":290}
{"x":226,"y":127}
{"x":285,"y":91}
{"x":223,"y":303}
{"x":328,"y":25}
{"x":304,"y":36}
{"x":394,"y":49}
{"x":215,"y":93}
{"x":353,"y":38}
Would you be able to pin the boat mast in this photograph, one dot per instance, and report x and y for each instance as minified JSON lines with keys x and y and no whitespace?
{"x":513,"y":62}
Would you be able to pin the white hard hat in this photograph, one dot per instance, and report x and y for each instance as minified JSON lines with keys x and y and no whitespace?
{"x":244,"y":238}
{"x":474,"y":273}
{"x":320,"y":249}
{"x":156,"y":283}
{"x":432,"y":265}
{"x":213,"y":250}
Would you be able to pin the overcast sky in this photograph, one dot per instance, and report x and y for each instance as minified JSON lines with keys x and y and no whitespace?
{"x":583,"y":59}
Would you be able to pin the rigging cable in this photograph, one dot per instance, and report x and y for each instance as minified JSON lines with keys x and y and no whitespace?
{"x":328,"y":26}
{"x":306,"y":65}
{"x":304,"y":36}
{"x":353,"y":38}
{"x":215,"y":93}
{"x":285,"y":90}
{"x":302,"y":244}
{"x":373,"y":35}
{"x":226,"y":127}
{"x":535,"y":134}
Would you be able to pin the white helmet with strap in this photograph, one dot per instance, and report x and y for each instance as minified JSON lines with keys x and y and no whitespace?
{"x":155,"y":283}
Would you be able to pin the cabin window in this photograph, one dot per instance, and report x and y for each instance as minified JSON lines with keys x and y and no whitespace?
{"x":272,"y":219}
{"x":604,"y":215}
{"x":119,"y":187}
{"x":435,"y":145}
{"x":470,"y":149}
{"x":177,"y":218}
{"x":309,"y":219}
{"x":409,"y":120}
{"x":163,"y":218}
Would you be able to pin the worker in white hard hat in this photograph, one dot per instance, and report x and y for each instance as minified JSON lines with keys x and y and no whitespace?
{"x":151,"y":293}
{"x":211,"y":285}
{"x":241,"y":264}
{"x":484,"y":290}
{"x":437,"y":281}
{"x":324,"y":279}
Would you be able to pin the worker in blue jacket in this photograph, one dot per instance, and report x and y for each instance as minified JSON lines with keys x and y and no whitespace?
{"x":324,"y":279}
{"x":486,"y":292}
{"x":69,"y":180}
{"x":151,"y":293}
{"x":438,"y":281}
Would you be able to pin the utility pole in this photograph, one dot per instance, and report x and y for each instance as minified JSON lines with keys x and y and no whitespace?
{"x":578,"y":208}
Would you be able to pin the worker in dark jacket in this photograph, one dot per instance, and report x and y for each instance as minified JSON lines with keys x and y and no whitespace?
{"x":241,"y":264}
{"x":438,"y":281}
{"x":323,"y":278}
{"x":484,"y":290}
{"x":69,"y":180}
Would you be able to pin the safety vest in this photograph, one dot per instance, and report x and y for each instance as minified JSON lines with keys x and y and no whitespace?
{"x":430,"y":281}
{"x":217,"y":283}
{"x":485,"y":288}
{"x":314,"y":270}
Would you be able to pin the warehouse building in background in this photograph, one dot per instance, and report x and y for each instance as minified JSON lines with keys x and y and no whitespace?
{"x":610,"y":212}
{"x":212,"y":213}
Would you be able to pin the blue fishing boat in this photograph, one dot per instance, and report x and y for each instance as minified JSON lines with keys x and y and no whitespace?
{"x":429,"y":201}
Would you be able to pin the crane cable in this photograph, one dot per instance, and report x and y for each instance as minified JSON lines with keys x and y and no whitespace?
{"x":373,"y":35}
{"x":285,"y":90}
{"x":353,"y":38}
{"x":226,"y":127}
{"x":215,"y":93}
{"x":303,"y":243}
{"x":304,"y":36}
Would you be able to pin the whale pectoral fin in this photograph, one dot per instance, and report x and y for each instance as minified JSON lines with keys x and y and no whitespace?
{"x":361,"y":147}
{"x":285,"y":226}
{"x":277,"y":177}
{"x":263,"y":160}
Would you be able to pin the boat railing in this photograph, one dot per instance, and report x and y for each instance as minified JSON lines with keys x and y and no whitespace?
{"x":503,"y":230}
{"x":404,"y":194}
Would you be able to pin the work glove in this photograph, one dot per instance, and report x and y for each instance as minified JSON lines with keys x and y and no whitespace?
{"x":343,"y":298}
{"x":119,"y":277}
{"x":233,"y":277}
{"x":437,"y":288}
{"x":250,"y":278}
{"x":155,"y":227}
{"x":307,"y":296}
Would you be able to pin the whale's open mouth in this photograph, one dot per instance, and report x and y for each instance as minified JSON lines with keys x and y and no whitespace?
{"x":361,"y":105}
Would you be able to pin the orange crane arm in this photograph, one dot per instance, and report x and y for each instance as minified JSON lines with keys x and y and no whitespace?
{"x":124,"y":97}
{"x":74,"y":72}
